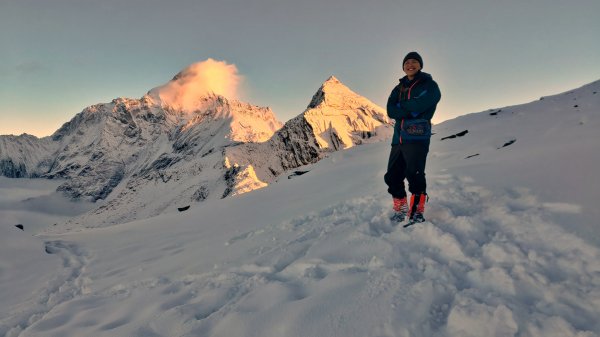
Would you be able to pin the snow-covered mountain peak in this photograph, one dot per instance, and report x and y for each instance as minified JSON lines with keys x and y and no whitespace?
{"x":331,"y":92}
{"x":244,"y":122}
{"x":340,"y":117}
{"x":332,"y":80}
{"x":181,"y":102}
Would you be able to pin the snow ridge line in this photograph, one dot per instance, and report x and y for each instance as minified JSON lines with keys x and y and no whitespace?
{"x":65,"y":287}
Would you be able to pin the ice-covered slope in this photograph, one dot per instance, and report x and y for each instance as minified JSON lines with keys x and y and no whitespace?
{"x":316,"y":255}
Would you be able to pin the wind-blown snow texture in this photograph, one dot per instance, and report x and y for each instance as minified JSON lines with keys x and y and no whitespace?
{"x":315,"y":255}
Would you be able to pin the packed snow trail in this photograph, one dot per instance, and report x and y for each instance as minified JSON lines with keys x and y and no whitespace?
{"x":63,"y":285}
{"x":484,"y":265}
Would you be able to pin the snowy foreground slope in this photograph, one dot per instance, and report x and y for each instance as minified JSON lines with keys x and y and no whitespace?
{"x":316,"y":255}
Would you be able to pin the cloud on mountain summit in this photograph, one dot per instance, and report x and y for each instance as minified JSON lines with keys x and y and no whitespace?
{"x":197,"y":80}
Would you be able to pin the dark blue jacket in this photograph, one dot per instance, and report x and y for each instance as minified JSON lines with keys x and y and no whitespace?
{"x":416,"y":99}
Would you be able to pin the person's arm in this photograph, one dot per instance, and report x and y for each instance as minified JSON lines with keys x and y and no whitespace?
{"x":428,"y":98}
{"x":394,"y":109}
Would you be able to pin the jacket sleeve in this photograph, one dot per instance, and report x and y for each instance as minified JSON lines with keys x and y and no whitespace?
{"x":425,"y":101}
{"x":393,"y":109}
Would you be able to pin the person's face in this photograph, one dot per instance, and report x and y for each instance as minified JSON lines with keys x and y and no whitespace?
{"x":411,"y":67}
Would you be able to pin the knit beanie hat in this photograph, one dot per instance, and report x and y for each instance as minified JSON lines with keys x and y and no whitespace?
{"x":415,"y":56}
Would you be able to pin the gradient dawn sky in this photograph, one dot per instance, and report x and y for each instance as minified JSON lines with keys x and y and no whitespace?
{"x":59,"y":56}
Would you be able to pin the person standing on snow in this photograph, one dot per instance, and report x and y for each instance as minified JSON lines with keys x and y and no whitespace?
{"x":411,"y":104}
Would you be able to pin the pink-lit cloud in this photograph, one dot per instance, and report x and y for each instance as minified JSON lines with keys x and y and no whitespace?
{"x":198,"y":80}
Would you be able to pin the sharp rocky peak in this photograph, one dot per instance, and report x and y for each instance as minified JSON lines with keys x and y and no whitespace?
{"x":331,"y":90}
{"x":332,"y":80}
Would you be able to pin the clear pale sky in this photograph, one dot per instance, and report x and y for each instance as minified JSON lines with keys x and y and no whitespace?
{"x":59,"y":56}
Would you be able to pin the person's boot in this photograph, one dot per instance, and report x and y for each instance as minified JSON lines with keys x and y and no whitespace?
{"x":400,"y":209}
{"x":417,"y":207}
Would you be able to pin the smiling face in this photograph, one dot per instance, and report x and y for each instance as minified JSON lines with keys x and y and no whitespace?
{"x":411,"y":67}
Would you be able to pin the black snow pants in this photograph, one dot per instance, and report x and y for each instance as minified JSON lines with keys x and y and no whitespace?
{"x":407,"y":161}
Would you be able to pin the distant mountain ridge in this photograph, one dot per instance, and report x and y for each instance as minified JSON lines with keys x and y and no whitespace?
{"x":25,"y":155}
{"x":151,"y":156}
